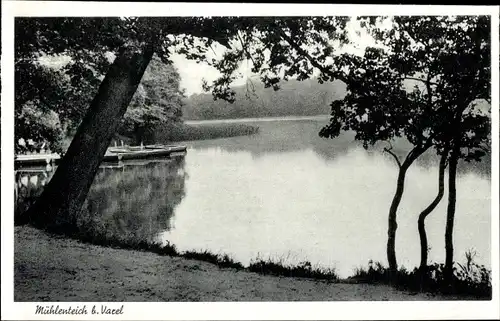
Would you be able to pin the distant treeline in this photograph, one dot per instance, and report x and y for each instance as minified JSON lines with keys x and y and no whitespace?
{"x":297,"y":98}
{"x":176,"y":132}
{"x":165,"y":133}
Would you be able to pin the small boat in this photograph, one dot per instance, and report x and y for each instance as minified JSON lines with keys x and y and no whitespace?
{"x":142,"y":152}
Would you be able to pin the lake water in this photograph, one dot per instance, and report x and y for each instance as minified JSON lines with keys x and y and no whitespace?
{"x":288,"y":194}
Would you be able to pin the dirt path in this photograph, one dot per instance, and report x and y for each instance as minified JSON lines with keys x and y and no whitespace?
{"x":49,"y":268}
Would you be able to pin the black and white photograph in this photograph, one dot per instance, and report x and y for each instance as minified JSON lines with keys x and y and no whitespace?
{"x":156,"y":154}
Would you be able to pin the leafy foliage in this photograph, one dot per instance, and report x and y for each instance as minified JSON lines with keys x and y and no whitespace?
{"x":426,"y":74}
{"x":266,"y":41}
{"x":157,"y":101}
{"x":55,"y":72}
{"x":60,"y":63}
{"x":274,"y":47}
{"x":34,"y":125}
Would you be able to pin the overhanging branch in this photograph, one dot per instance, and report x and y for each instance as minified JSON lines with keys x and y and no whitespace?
{"x":390,"y":152}
{"x":243,"y":45}
{"x":421,"y":80}
{"x":313,"y":61}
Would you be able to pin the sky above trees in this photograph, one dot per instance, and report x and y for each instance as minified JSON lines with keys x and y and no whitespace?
{"x":192,"y":72}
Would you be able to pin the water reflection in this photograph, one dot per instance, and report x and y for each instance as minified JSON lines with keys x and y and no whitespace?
{"x":28,"y":186}
{"x":131,"y":200}
{"x":137,"y":202}
{"x":276,"y":137}
{"x":282,"y":136}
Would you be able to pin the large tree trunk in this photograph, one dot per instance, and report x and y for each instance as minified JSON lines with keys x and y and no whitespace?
{"x":424,"y":247}
{"x":450,"y":215}
{"x":64,"y":196}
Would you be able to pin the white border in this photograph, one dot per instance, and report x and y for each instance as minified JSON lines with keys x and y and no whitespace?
{"x":495,"y":175}
{"x":92,"y":8}
{"x":237,"y":311}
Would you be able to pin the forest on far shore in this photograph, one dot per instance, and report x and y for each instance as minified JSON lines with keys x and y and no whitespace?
{"x":294,"y":98}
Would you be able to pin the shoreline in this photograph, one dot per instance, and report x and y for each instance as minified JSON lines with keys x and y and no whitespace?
{"x":191,"y":122}
{"x":78,"y":271}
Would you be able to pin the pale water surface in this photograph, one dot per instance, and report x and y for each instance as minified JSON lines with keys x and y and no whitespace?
{"x":288,"y":194}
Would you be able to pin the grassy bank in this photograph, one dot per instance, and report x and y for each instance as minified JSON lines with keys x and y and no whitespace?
{"x":470,"y":280}
{"x":258,"y":265}
{"x":49,"y":268}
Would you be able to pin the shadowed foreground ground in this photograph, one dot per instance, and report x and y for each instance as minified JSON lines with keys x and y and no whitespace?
{"x":49,"y":268}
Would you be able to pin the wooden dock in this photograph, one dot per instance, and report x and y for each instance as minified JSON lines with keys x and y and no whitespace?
{"x":37,"y":159}
{"x":113,"y":154}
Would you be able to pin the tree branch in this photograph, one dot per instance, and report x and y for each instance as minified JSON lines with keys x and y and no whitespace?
{"x":210,"y":45}
{"x":390,"y":152}
{"x":422,"y":80}
{"x":429,"y":90}
{"x":245,"y":48}
{"x":313,"y":61}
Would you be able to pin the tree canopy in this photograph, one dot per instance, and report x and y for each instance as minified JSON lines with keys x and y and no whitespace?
{"x":60,"y":83}
{"x":413,"y":85}
{"x":158,"y":100}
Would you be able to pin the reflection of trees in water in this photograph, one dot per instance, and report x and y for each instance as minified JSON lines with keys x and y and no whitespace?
{"x":28,"y":187}
{"x":292,"y":136}
{"x":430,"y":158}
{"x":482,"y":168}
{"x":282,"y":136}
{"x":135,"y":202}
{"x":127,"y":202}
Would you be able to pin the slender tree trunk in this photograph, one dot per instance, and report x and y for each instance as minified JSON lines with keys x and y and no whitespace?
{"x":393,"y":225}
{"x":424,"y":247}
{"x":396,"y":200}
{"x":64,"y":196}
{"x":450,"y":215}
